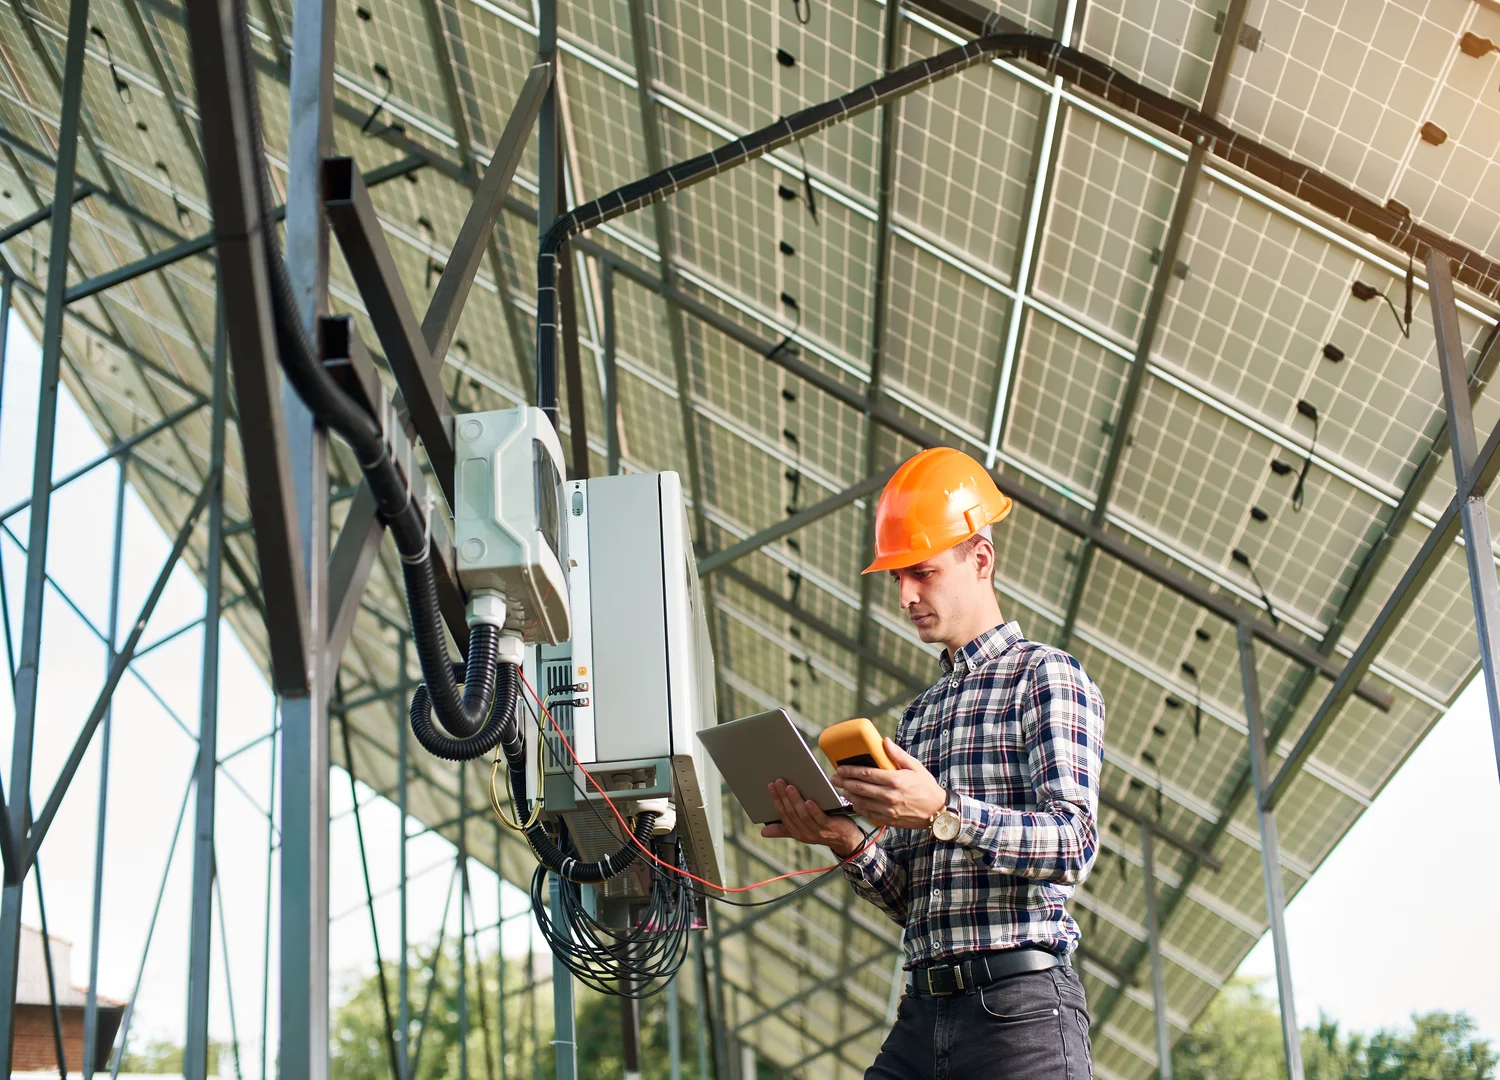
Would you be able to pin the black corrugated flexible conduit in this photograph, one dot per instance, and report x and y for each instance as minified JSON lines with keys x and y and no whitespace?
{"x":564,"y":865}
{"x":478,"y":718}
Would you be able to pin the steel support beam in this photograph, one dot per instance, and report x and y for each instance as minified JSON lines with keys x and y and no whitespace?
{"x":42,"y":213}
{"x":122,"y":661}
{"x":800,"y":520}
{"x":1124,"y":416}
{"x":1382,"y":543}
{"x":1158,"y":979}
{"x":304,"y":799}
{"x":403,"y":1022}
{"x":1181,"y":843}
{"x":890,"y":120}
{"x":362,"y":240}
{"x":119,"y":449}
{"x":1023,"y":268}
{"x":645,"y":76}
{"x":1156,"y":303}
{"x":91,"y":1001}
{"x":612,"y":380}
{"x":28,"y":671}
{"x":201,"y":245}
{"x":832,"y":633}
{"x":1270,"y":858}
{"x":1439,"y":541}
{"x":1478,"y":540}
{"x":353,"y":557}
{"x":200,"y":930}
{"x":564,"y":1033}
{"x":447,"y":304}
{"x":1107,"y":542}
{"x":245,"y":287}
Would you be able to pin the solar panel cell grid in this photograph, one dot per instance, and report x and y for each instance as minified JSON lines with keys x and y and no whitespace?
{"x":1112,"y":196}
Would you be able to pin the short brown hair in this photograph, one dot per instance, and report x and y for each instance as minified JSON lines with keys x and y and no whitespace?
{"x":965,"y":548}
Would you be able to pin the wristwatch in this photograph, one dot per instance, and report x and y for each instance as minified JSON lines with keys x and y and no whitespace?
{"x":946,"y":822}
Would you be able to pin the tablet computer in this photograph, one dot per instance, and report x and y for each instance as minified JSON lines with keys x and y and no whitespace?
{"x":753,"y":752}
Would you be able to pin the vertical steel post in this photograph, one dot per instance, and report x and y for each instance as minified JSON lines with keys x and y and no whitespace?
{"x":611,"y":374}
{"x":200,"y":932}
{"x":91,"y":1001}
{"x":24,"y":725}
{"x":1483,"y":587}
{"x":536,"y":1048}
{"x":56,"y":1014}
{"x":500,"y":948}
{"x":630,"y":1031}
{"x":463,"y":922}
{"x":403,"y":1033}
{"x":563,"y":1034}
{"x":1270,"y":856}
{"x":674,"y":1032}
{"x":7,"y":283}
{"x":725,"y":1064}
{"x":304,"y":814}
{"x":265,"y":966}
{"x":1153,"y":939}
{"x":700,"y":1005}
{"x":549,"y":197}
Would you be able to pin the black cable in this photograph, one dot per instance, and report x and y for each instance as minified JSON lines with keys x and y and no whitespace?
{"x":463,"y":716}
{"x":1244,"y":560}
{"x":1306,"y":409}
{"x":691,"y":885}
{"x":807,"y":187}
{"x":797,"y":7}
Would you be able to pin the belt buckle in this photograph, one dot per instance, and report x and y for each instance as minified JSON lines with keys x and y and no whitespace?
{"x":957,"y":978}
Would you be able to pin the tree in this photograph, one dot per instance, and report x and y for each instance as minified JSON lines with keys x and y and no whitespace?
{"x":360,"y":1050}
{"x":1239,"y":1035}
{"x":159,"y":1054}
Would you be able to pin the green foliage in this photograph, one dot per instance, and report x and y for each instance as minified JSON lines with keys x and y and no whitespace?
{"x":360,"y":1050}
{"x":1239,"y":1035}
{"x":156,"y":1054}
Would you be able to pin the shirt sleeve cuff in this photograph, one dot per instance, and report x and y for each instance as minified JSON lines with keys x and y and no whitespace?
{"x":973,"y":818}
{"x":864,"y":860}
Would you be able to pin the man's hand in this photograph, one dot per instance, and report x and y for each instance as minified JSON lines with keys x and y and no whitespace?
{"x":804,"y":821}
{"x":905,"y":799}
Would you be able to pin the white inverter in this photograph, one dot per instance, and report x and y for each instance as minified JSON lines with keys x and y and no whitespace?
{"x":635,"y":682}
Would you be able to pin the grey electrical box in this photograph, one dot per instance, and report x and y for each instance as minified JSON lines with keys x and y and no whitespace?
{"x":635,"y":682}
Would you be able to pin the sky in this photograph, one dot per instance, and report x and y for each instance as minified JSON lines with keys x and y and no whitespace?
{"x":1404,"y":915}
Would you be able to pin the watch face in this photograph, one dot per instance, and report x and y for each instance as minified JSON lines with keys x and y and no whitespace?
{"x":945,"y":825}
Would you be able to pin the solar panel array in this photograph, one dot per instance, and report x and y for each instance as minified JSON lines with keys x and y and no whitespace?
{"x":1028,"y":222}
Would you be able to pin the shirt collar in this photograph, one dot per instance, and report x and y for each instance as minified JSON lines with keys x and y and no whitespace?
{"x":986,"y":647}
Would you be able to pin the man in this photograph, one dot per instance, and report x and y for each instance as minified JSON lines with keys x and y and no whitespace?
{"x":991,"y":810}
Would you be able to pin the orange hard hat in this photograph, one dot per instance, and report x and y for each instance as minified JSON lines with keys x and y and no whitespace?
{"x":936,"y":500}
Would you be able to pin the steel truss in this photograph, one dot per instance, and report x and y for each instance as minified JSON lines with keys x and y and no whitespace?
{"x":309,"y":596}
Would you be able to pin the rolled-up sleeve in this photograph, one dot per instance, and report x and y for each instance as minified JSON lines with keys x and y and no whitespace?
{"x":1062,"y":721}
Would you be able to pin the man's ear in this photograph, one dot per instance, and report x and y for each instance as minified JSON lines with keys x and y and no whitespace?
{"x":984,"y":560}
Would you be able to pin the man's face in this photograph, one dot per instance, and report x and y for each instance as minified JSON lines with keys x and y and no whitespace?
{"x":940,"y":594}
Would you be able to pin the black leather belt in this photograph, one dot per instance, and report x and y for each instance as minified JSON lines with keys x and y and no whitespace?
{"x":940,"y":980}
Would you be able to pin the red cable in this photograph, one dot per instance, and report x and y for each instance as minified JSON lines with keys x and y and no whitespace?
{"x":625,"y":825}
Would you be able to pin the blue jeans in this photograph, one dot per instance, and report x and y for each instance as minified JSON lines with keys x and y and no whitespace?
{"x":1027,"y":1027}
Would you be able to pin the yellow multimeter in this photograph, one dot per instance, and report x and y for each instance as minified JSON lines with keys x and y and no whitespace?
{"x":855,"y":742}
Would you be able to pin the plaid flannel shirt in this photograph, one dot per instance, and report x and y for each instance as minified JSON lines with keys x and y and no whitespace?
{"x":1017,"y":729}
